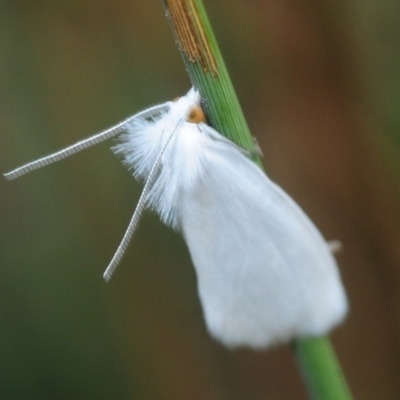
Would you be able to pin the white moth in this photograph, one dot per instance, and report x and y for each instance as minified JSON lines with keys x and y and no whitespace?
{"x":265,"y":274}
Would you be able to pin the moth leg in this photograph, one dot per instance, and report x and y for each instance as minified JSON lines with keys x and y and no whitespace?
{"x":256,"y":151}
{"x":335,"y":246}
{"x":213,"y":134}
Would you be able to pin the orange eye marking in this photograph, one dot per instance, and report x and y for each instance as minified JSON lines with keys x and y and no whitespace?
{"x":196,"y":115}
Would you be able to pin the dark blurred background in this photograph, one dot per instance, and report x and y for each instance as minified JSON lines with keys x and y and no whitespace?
{"x":319,"y":82}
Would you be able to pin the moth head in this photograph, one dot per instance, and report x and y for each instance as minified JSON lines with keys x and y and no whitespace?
{"x":188,"y":107}
{"x":196,"y":115}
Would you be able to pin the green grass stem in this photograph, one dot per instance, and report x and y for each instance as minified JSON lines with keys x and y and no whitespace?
{"x":206,"y":68}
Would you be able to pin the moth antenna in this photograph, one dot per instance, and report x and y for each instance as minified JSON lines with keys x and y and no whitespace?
{"x":137,"y":213}
{"x":83,"y":144}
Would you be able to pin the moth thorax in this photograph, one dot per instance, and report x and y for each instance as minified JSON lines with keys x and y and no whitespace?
{"x":196,"y":115}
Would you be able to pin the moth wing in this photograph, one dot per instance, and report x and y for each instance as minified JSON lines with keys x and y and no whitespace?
{"x":265,"y":274}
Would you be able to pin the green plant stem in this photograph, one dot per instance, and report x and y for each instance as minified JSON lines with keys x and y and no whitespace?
{"x":206,"y":68}
{"x":320,"y":369}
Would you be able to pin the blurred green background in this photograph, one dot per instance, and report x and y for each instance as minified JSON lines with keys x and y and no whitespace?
{"x":319,"y":82}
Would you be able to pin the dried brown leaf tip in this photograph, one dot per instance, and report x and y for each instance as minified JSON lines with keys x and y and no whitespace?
{"x":191,"y":33}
